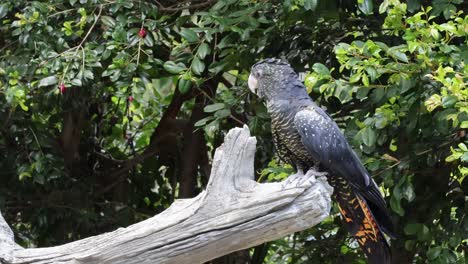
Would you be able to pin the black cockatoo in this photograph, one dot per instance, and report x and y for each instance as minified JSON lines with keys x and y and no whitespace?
{"x":305,"y":136}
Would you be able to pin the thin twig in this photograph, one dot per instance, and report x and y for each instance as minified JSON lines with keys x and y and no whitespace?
{"x":212,"y":100}
{"x":80,"y":46}
{"x":37,"y":141}
{"x":175,"y":9}
{"x":139,"y":49}
{"x":406,"y":158}
{"x":92,"y":27}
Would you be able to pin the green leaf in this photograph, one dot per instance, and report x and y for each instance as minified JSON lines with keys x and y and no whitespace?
{"x":368,"y":136}
{"x":3,"y":10}
{"x":366,"y":6}
{"x":382,"y":45}
{"x":218,"y":66}
{"x":414,"y":5}
{"x":383,"y":7}
{"x":400,"y":56}
{"x":108,"y":21}
{"x":355,"y":77}
{"x":310,"y":82}
{"x":412,"y":229}
{"x":147,"y":201}
{"x":310,"y":4}
{"x":76,"y":82}
{"x":68,"y":28}
{"x":433,"y":253}
{"x":449,"y":10}
{"x":462,"y":146}
{"x":189,"y":35}
{"x":365,"y":79}
{"x":223,"y":113}
{"x":174,"y":68}
{"x":23,"y":106}
{"x":228,"y":40}
{"x":17,"y":32}
{"x":372,"y":72}
{"x":409,"y":245}
{"x":396,"y":206}
{"x":214,"y":107}
{"x":464,"y":157}
{"x":148,"y":40}
{"x":406,"y":84}
{"x":184,"y":85}
{"x":464,"y":124}
{"x":39,"y":178}
{"x":344,"y":249}
{"x":88,"y":74}
{"x":433,"y":102}
{"x":47,"y":81}
{"x":211,"y":128}
{"x":321,"y":69}
{"x":218,"y":5}
{"x":203,"y":121}
{"x":203,"y":50}
{"x":381,"y":122}
{"x":198,"y":66}
{"x":412,"y":45}
{"x":455,"y":155}
{"x":408,"y":192}
{"x":435,"y":34}
{"x":454,"y":241}
{"x":24,"y":175}
{"x":424,"y":233}
{"x":449,"y":101}
{"x":362,"y":92}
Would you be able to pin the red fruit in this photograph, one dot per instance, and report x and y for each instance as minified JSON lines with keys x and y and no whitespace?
{"x":62,"y":88}
{"x":142,"y":33}
{"x":130,"y":98}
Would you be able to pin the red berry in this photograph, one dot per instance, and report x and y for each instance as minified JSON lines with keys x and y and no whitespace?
{"x":130,"y":98}
{"x":62,"y":88}
{"x":142,"y":33}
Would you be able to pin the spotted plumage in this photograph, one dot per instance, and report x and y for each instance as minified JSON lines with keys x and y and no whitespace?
{"x":306,"y":136}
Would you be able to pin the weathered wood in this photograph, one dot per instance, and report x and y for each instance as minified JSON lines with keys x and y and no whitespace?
{"x":233,"y":213}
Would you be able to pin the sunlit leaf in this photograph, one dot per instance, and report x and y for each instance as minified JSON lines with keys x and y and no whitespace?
{"x":366,"y":6}
{"x":321,"y":69}
{"x":51,"y":80}
{"x":189,"y":35}
{"x":198,"y":66}
{"x":214,"y":107}
{"x":203,"y":50}
{"x":174,"y":68}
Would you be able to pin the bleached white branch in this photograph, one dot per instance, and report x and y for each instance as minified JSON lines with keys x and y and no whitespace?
{"x":233,"y":213}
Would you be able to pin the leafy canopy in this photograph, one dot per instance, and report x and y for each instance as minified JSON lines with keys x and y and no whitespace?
{"x":112,"y":109}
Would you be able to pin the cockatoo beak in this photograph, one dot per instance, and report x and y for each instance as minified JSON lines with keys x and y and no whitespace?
{"x":253,"y":84}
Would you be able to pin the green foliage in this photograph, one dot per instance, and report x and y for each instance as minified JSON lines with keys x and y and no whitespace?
{"x":415,"y":92}
{"x":110,"y":110}
{"x":276,"y":172}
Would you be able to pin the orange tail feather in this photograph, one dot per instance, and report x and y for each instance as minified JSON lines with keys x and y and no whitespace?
{"x":363,"y":226}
